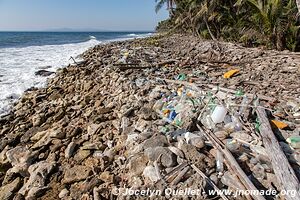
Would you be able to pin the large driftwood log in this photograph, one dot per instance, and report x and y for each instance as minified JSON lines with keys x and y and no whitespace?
{"x":281,"y":166}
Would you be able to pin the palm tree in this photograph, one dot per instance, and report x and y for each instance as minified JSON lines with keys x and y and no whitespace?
{"x":253,"y":22}
{"x":272,"y":18}
{"x":161,"y":3}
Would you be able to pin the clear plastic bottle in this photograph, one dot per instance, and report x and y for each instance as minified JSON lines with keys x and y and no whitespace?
{"x":244,"y":104}
{"x":220,"y":162}
{"x":233,"y":145}
{"x":294,"y":141}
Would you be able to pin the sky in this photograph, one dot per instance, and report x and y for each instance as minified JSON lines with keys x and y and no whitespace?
{"x":108,"y":15}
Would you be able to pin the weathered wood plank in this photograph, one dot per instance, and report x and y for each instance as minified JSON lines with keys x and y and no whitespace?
{"x":281,"y":166}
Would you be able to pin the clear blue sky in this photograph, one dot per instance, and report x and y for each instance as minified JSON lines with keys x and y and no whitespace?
{"x":112,"y":15}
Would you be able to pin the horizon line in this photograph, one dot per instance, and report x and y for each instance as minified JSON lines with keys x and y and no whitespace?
{"x":77,"y":30}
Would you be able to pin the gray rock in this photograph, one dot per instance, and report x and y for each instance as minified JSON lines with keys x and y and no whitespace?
{"x":70,"y":150}
{"x":42,"y":138}
{"x":168,"y":158}
{"x":20,"y":158}
{"x":155,"y":141}
{"x":142,"y":125}
{"x":37,"y":180}
{"x":242,"y":135}
{"x":150,"y":173}
{"x":76,"y":173}
{"x":43,"y":73}
{"x":137,"y":164}
{"x":3,"y":157}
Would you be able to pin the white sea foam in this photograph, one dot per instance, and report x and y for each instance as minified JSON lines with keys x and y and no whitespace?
{"x":18,"y":67}
{"x":133,"y":35}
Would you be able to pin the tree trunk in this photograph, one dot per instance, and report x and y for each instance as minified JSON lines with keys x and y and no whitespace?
{"x":298,"y":6}
{"x":209,"y":31}
{"x":282,"y":169}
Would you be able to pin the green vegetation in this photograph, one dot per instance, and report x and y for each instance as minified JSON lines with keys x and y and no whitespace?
{"x":273,"y":23}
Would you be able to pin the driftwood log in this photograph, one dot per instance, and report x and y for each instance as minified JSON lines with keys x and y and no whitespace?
{"x":281,"y":166}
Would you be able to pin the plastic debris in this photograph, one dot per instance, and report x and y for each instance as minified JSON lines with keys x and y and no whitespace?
{"x":230,"y":73}
{"x":181,"y":77}
{"x":279,"y":124}
{"x":219,"y":114}
{"x":294,"y":141}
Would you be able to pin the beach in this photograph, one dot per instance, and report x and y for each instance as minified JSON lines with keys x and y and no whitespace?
{"x":96,"y":127}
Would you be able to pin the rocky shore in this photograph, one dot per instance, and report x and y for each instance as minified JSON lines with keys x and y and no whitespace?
{"x":99,"y":127}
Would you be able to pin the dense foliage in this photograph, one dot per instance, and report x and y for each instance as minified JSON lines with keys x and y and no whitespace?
{"x":273,"y":23}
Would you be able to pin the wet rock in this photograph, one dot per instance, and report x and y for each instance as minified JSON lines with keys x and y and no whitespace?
{"x":76,"y":174}
{"x":43,"y":73}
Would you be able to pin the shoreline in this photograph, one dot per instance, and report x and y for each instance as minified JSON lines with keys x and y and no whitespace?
{"x":43,"y":73}
{"x":95,"y":127}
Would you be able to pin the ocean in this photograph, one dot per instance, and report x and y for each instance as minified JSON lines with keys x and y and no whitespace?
{"x":24,"y":53}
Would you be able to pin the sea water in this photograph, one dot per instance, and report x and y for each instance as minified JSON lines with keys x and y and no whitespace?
{"x":24,"y":53}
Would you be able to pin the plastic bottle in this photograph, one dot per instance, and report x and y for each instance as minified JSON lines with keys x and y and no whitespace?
{"x":232,"y":145}
{"x":238,"y":126}
{"x":220,"y":162}
{"x":172,"y":115}
{"x":219,"y":114}
{"x":294,"y":141}
{"x":243,"y":105}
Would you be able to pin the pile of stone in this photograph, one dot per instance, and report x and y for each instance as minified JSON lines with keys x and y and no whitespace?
{"x":134,"y":120}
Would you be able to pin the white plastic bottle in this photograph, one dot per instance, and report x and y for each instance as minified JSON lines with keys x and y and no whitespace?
{"x":219,"y":114}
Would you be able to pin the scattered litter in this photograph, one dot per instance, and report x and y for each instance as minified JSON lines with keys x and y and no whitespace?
{"x":230,"y":73}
